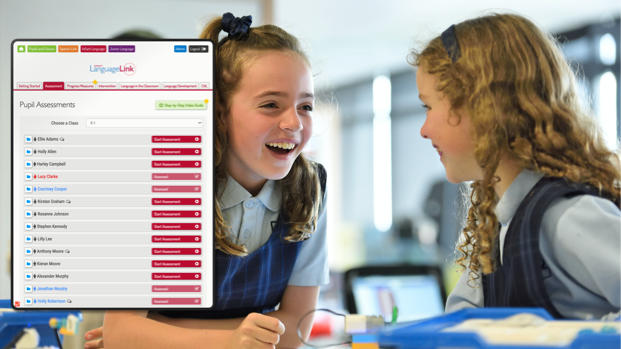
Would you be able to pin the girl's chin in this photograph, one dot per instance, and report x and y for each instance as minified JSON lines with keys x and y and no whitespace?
{"x":276,"y":173}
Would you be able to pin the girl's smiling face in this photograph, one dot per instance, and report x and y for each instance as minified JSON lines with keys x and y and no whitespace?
{"x":270,"y":118}
{"x":450,"y":135}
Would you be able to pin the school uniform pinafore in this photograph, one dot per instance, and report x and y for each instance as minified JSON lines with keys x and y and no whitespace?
{"x":519,"y":281}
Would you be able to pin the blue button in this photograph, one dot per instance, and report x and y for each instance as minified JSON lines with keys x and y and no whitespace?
{"x":181,"y":48}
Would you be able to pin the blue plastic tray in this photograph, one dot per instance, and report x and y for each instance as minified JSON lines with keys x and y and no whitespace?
{"x":12,"y":322}
{"x":426,"y":334}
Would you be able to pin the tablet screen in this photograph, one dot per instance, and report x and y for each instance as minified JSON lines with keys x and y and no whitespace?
{"x":112,"y":180}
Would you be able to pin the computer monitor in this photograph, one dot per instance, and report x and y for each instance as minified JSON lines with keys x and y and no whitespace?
{"x":417,"y":291}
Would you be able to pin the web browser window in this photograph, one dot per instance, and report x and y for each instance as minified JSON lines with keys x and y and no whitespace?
{"x":112,"y":174}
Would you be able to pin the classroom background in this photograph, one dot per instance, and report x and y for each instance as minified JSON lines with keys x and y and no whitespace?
{"x":388,"y":201}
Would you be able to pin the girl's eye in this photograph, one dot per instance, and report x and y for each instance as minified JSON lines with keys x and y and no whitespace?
{"x":307,"y":107}
{"x":270,"y":105}
{"x":426,"y":107}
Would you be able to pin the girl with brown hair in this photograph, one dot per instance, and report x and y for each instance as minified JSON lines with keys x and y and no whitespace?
{"x":270,"y":219}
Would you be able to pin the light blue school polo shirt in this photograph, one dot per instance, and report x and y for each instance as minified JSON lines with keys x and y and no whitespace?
{"x":249,"y":219}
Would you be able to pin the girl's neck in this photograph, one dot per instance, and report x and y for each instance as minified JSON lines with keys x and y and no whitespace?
{"x":507,"y":171}
{"x":253,"y":187}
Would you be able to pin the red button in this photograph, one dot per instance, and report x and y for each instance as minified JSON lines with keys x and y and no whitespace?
{"x":175,"y":276}
{"x":53,"y":85}
{"x":175,"y":238}
{"x":175,"y":164}
{"x":176,"y":188}
{"x":92,"y":48}
{"x":175,"y":176}
{"x":175,"y":201}
{"x":175,"y":264}
{"x":175,"y":251}
{"x":175,"y":226}
{"x":176,"y":151}
{"x":175,"y":288}
{"x":175,"y":214}
{"x":176,"y":139}
{"x":175,"y":301}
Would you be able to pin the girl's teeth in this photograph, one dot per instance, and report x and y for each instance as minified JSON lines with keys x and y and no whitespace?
{"x":287,"y":146}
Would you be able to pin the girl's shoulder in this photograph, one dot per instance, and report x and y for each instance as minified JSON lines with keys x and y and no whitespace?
{"x":581,"y":217}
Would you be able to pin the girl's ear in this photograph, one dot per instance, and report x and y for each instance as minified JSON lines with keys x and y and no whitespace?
{"x":454,"y":117}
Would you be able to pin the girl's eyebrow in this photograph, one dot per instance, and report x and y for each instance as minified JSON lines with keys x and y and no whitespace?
{"x":283,"y":94}
{"x":272,"y":93}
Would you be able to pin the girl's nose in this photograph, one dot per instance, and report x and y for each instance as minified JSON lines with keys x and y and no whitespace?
{"x":424,"y":130}
{"x":291,"y":121}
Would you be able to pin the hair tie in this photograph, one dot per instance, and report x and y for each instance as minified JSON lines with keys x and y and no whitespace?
{"x":451,"y":45}
{"x":237,"y":27}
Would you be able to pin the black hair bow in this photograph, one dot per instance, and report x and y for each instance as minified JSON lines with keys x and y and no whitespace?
{"x":236,"y":27}
{"x":451,"y":45}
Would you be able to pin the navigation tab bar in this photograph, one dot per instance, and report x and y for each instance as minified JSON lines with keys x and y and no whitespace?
{"x":111,"y":85}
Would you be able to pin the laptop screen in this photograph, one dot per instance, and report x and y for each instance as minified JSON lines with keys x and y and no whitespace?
{"x":415,"y":296}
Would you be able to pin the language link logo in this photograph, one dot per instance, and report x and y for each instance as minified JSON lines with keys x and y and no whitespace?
{"x":127,"y":69}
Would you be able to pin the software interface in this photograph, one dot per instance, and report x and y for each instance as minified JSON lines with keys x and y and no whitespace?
{"x":112,"y":182}
{"x":415,"y":296}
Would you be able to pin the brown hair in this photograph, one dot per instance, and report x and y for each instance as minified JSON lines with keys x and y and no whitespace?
{"x":520,"y":92}
{"x":301,"y":192}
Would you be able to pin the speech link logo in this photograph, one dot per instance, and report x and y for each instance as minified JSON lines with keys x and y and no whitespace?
{"x":127,"y":69}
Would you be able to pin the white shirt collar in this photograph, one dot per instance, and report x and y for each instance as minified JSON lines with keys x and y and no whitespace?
{"x":510,"y":201}
{"x":234,"y":194}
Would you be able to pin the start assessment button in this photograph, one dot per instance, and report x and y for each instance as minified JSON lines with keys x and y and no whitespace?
{"x":181,"y":104}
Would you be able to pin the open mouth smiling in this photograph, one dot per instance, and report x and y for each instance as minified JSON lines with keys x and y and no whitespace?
{"x":281,"y":147}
